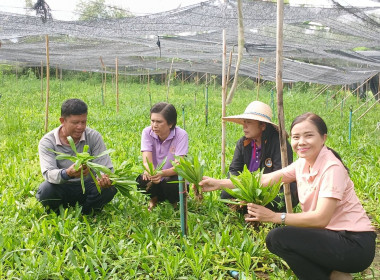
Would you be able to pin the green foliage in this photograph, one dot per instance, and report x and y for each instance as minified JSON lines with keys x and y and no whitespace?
{"x":125,"y":241}
{"x":97,"y":9}
{"x":84,"y":159}
{"x":151,"y":170}
{"x":191,"y":169}
{"x":248,"y":188}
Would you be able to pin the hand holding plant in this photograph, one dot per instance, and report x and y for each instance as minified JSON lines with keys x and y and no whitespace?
{"x":248,"y":189}
{"x":191,"y":169}
{"x":153,"y":172}
{"x":105,"y":177}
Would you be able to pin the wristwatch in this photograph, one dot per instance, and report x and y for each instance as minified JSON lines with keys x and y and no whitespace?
{"x":283,"y":216}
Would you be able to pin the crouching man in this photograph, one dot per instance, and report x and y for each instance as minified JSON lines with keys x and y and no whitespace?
{"x":62,"y":185}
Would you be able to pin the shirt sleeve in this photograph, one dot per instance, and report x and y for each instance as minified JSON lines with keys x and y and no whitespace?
{"x":290,"y":172}
{"x":146,"y":141}
{"x":49,"y":168}
{"x":182,"y":144}
{"x":237,"y":163}
{"x":333,"y":182}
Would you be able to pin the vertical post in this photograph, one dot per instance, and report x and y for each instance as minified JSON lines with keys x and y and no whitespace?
{"x":224,"y":97}
{"x":183,"y":205}
{"x":206,"y":109}
{"x":183,"y":116}
{"x":117,"y":85}
{"x":47,"y":83}
{"x":42,"y":81}
{"x":280,"y":102}
{"x":350,"y":126}
{"x":258,"y":79}
{"x":170,"y":72}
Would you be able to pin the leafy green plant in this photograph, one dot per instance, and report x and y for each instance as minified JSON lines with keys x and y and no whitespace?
{"x":84,"y":159}
{"x":153,"y":171}
{"x":248,"y":189}
{"x":120,"y":179}
{"x":191,"y":169}
{"x":123,"y":179}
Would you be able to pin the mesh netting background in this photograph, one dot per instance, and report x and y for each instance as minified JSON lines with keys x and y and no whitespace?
{"x":319,"y":42}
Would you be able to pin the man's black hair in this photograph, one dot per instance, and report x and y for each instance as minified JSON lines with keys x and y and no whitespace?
{"x":73,"y":107}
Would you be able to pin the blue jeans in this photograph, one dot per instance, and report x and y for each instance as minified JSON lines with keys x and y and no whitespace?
{"x":314,"y":253}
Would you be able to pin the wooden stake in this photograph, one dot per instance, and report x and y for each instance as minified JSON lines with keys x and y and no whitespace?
{"x":280,"y":102}
{"x":224,"y":97}
{"x":42,"y":81}
{"x":258,"y":79}
{"x":47,"y":83}
{"x":362,"y":115}
{"x":117,"y":85}
{"x":170,"y":72}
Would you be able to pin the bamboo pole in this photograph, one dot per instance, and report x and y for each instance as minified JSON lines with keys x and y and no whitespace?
{"x":42,"y":81}
{"x":224,"y":97}
{"x":258,"y":79}
{"x":104,"y":81}
{"x":229,"y":70}
{"x":47,"y":84}
{"x":170,"y":72}
{"x":321,"y":91}
{"x":362,"y":115}
{"x":365,"y":103}
{"x":117,"y":84}
{"x":240,"y":51}
{"x":344,"y":99}
{"x":280,"y":102}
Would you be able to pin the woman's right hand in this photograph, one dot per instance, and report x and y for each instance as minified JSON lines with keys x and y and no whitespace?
{"x":209,"y":184}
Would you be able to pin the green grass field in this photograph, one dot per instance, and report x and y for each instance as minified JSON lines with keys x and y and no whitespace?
{"x":125,"y":241}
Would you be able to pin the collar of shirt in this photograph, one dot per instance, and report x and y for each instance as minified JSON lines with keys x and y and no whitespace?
{"x":58,"y":141}
{"x":316,"y":167}
{"x":155,"y":136}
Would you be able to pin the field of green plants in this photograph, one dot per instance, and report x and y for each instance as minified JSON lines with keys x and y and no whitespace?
{"x":126,"y":241}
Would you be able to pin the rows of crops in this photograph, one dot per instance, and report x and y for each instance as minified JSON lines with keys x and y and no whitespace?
{"x":126,"y":241}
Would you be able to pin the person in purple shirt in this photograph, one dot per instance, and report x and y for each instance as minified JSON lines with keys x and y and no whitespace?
{"x":258,"y":148}
{"x":162,"y":139}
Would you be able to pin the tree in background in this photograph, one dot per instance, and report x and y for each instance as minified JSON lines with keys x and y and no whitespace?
{"x":97,"y":9}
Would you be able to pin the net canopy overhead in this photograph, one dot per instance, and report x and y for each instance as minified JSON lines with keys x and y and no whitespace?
{"x":326,"y":45}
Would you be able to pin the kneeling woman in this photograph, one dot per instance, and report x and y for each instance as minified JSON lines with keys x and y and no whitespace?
{"x":333,"y":236}
{"x":162,"y":139}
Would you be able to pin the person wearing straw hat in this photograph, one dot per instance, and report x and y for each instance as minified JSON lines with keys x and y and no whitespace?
{"x":258,"y":148}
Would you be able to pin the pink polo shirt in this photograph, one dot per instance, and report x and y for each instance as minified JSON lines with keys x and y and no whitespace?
{"x":176,"y":144}
{"x":329,"y":178}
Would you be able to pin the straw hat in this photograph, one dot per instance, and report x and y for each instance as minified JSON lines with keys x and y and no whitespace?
{"x":256,"y":110}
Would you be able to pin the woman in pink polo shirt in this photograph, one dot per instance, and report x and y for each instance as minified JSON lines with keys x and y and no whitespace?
{"x":333,"y":236}
{"x":162,"y":139}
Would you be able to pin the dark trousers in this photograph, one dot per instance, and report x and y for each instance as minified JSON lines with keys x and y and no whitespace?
{"x":314,"y":253}
{"x":68,"y":194}
{"x":165,"y":190}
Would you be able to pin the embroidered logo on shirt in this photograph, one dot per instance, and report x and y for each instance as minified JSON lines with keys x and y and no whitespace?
{"x":268,"y":162}
{"x":172,"y":150}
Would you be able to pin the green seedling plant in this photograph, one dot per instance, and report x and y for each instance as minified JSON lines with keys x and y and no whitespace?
{"x":153,"y":171}
{"x":248,"y":189}
{"x":84,"y":159}
{"x":123,"y":179}
{"x":120,"y":179}
{"x":191,"y":169}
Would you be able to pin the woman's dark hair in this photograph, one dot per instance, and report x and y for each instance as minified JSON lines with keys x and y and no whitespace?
{"x":321,"y":127}
{"x":73,"y":107}
{"x":266,"y":137}
{"x":167,"y":110}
